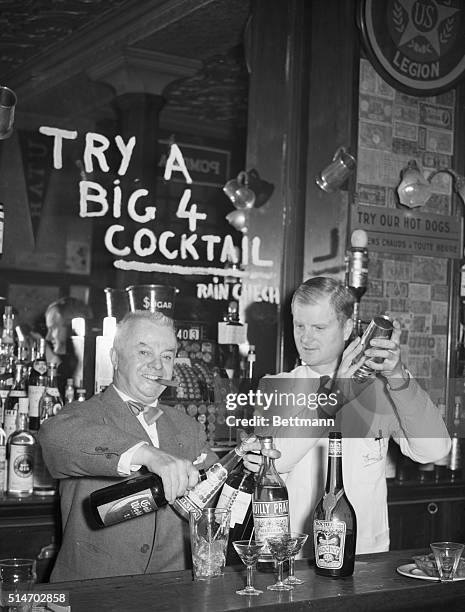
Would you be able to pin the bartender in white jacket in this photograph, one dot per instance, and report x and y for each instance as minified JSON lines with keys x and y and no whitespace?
{"x":390,"y":405}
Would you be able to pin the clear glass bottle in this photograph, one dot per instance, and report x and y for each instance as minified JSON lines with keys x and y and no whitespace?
{"x":81,"y":395}
{"x":69,"y":391}
{"x":51,"y":394}
{"x":334,"y":520}
{"x":44,"y":484}
{"x":20,"y":453}
{"x":270,"y":502}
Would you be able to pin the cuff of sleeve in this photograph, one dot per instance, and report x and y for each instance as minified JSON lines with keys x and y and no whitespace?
{"x":125,"y":464}
{"x":404,"y":386}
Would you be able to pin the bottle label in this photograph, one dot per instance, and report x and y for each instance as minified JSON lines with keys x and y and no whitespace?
{"x":18,"y":393}
{"x":335,"y":448}
{"x":236,"y":501}
{"x":40,"y":367}
{"x":2,"y":466}
{"x":127,"y":508}
{"x":329,"y":542}
{"x":23,"y":405}
{"x":20,"y":473}
{"x":198,"y":497}
{"x":270,"y":519}
{"x":9,"y":424}
{"x":35,"y":393}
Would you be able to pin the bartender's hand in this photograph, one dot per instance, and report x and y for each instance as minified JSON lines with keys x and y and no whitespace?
{"x":254,"y":459}
{"x":389,"y":351}
{"x":351,"y":360}
{"x":178,"y":475}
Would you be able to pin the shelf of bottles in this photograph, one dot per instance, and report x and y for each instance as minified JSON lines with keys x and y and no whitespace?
{"x":29,"y":395}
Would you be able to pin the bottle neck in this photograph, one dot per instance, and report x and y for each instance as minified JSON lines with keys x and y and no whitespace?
{"x":334,"y":481}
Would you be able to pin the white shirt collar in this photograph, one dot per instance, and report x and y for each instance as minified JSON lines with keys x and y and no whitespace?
{"x":128,"y":398}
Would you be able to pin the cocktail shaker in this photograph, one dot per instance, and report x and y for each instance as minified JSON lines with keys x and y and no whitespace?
{"x":380,"y":326}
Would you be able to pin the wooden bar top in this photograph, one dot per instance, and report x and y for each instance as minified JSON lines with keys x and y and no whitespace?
{"x":375,"y":586}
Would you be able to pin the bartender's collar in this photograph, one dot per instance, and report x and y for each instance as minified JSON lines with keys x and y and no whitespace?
{"x":314,"y":374}
{"x":128,"y":398}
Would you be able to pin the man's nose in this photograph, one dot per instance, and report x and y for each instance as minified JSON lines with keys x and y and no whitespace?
{"x":156,"y":362}
{"x":48,"y":337}
{"x":307,"y":335}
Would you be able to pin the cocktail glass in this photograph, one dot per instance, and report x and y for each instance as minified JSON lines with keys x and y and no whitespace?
{"x":447,"y":556}
{"x":249,"y":551}
{"x":300,"y":538}
{"x":281,"y":548}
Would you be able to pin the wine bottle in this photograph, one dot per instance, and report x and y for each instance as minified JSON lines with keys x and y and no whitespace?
{"x":36,"y":386}
{"x":236,"y":496}
{"x":20,"y":453}
{"x":270,"y":502}
{"x":143,"y":494}
{"x":334,"y":520}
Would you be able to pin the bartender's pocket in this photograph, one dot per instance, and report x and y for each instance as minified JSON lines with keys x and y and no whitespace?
{"x":372,"y":464}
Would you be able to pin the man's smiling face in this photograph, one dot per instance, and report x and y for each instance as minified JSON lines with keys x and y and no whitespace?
{"x":146,"y":353}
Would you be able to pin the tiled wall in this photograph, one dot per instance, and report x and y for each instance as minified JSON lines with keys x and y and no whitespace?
{"x":394,"y":128}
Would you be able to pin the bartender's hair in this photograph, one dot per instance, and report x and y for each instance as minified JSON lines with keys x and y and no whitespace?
{"x":319,"y":287}
{"x":158,"y":318}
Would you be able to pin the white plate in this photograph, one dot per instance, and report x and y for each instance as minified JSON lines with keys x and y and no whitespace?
{"x":412,"y":571}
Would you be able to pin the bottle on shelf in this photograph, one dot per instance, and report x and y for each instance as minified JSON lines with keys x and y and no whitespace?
{"x":69,"y":391}
{"x":270,"y":502}
{"x":16,"y":402}
{"x":455,"y":459}
{"x":236,"y":496}
{"x":457,"y":411}
{"x":231,"y":333}
{"x":8,"y":333}
{"x":81,"y":395}
{"x":20,"y":456}
{"x":251,"y":358}
{"x":51,"y":396}
{"x":143,"y":494}
{"x":37,"y":383}
{"x":3,"y":463}
{"x":43,"y":482}
{"x":334,"y":520}
{"x":356,"y":275}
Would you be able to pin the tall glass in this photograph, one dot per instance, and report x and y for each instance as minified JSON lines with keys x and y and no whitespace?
{"x":17,"y":576}
{"x":209,"y":541}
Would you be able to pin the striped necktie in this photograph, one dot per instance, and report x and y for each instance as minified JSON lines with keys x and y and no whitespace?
{"x":137,"y":407}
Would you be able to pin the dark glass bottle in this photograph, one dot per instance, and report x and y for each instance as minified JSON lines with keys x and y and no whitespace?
{"x":16,"y":402}
{"x":270,"y":502}
{"x":37,"y":382}
{"x":334,"y":520}
{"x":143,"y":494}
{"x":236,"y":496}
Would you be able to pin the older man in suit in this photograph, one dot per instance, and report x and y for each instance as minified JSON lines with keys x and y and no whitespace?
{"x":90,"y":444}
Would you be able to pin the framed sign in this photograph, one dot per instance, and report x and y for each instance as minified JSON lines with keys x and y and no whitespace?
{"x":418,"y":46}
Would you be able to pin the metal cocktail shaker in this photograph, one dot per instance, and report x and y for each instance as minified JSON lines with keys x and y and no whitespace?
{"x":380,"y":326}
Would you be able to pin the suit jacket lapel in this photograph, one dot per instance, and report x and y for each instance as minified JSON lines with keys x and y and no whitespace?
{"x":170,"y":436}
{"x":117,"y":411}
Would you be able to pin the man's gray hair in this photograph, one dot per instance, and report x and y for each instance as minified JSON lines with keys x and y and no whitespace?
{"x":157,"y":318}
{"x":320,"y":287}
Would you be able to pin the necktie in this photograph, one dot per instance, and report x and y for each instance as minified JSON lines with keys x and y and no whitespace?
{"x":137,"y":407}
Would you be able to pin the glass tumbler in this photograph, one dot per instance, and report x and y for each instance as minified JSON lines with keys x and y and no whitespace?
{"x":17,"y":577}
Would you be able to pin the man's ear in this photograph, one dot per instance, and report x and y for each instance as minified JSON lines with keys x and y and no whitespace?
{"x":114,"y":358}
{"x":348,"y":327}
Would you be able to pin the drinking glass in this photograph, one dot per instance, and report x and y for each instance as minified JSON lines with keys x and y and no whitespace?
{"x":281,"y":548}
{"x":17,"y":576}
{"x":249,"y":551}
{"x":301,"y":538}
{"x":447,"y":556}
{"x":209,"y":540}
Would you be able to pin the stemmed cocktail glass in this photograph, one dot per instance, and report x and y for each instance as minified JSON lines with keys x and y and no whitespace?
{"x":300,"y":539}
{"x":249,"y":551}
{"x":281,"y":548}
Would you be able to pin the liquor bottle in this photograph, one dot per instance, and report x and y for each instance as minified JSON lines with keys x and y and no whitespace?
{"x":51,"y":393}
{"x":37,"y":383}
{"x":251,"y":358}
{"x":8,"y":328}
{"x":270,"y":502}
{"x":43,"y":482}
{"x":3,"y":464}
{"x":357,"y":274}
{"x":81,"y":395}
{"x":16,"y":401}
{"x":236,"y":496}
{"x":69,"y":391}
{"x":334,"y":520}
{"x":454,"y":464}
{"x":20,"y":453}
{"x":231,"y":333}
{"x":143,"y":494}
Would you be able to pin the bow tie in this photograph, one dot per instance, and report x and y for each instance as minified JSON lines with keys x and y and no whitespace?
{"x":137,"y":407}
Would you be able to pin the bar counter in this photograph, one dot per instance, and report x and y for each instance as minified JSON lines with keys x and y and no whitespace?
{"x":375,"y":586}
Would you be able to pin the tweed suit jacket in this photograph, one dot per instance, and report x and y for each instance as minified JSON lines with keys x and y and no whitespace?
{"x":81,"y":447}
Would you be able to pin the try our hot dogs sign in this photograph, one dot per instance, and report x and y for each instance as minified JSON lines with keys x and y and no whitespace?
{"x":188,"y":246}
